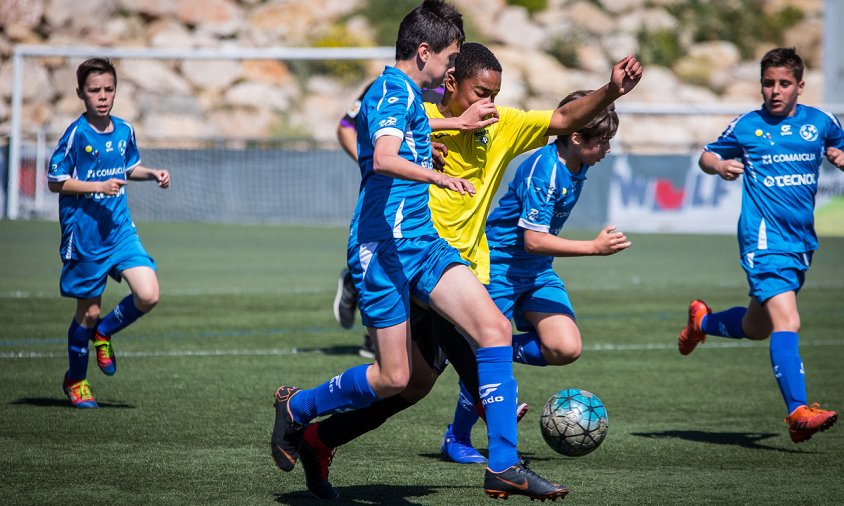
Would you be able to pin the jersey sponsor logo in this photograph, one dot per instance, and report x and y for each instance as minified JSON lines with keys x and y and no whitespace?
{"x":392,"y":100}
{"x":92,"y":173}
{"x":109,"y":146}
{"x":789,"y":157}
{"x":790,"y":180}
{"x":101,"y":196}
{"x":809,"y":132}
{"x":785,"y":130}
{"x":391,"y":121}
{"x":487,"y":393}
{"x":533,"y":214}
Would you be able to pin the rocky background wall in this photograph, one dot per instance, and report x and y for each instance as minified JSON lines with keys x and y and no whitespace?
{"x":547,"y":49}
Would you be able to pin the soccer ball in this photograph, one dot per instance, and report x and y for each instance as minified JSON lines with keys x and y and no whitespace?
{"x":574,"y":422}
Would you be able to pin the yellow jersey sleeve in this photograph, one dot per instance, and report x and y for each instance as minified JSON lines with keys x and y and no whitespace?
{"x":481,"y":157}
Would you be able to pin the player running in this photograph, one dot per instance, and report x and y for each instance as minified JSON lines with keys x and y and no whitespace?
{"x":778,"y":150}
{"x":90,"y":167}
{"x":522,"y":233}
{"x":481,"y":157}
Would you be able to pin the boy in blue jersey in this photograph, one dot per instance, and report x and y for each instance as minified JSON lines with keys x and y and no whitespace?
{"x":395,"y":252}
{"x":89,"y":169}
{"x":777,"y":149}
{"x":523,"y":241}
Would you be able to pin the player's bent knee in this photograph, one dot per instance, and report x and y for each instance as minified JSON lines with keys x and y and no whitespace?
{"x":147,"y":301}
{"x":563,"y":356}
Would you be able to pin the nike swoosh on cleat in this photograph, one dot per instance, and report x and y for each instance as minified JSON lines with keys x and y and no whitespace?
{"x":521,"y":486}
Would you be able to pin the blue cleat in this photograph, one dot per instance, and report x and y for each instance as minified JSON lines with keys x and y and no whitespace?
{"x":460,"y":450}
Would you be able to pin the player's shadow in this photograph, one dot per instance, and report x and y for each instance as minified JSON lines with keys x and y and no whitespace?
{"x":331,"y":350}
{"x":743,"y":439}
{"x":50,"y":402}
{"x":365,"y":494}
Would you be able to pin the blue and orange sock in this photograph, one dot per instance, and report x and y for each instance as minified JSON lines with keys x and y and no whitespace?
{"x":77,"y":351}
{"x":123,"y":315}
{"x":527,"y":349}
{"x":346,"y":391}
{"x":725,"y":323}
{"x":498,"y":390}
{"x":465,"y":415}
{"x":788,"y":368}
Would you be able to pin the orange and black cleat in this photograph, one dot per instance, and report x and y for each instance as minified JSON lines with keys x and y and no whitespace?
{"x":519,"y":480}
{"x":692,"y":334}
{"x":805,"y":421}
{"x":287,"y":433}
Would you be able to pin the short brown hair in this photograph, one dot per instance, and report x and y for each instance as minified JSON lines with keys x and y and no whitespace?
{"x":94,"y":66}
{"x":784,"y":57}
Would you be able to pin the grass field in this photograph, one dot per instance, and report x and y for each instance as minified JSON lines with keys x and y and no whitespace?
{"x":186,"y":420}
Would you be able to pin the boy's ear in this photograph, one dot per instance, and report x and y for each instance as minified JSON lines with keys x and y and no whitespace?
{"x":423,"y":52}
{"x":576,"y":138}
{"x":450,"y":82}
{"x":800,"y":87}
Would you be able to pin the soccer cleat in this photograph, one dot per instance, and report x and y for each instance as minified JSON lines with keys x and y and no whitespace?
{"x":79,"y":393}
{"x":692,"y":334}
{"x":345,"y":301}
{"x":287,"y":433}
{"x":520,"y":480}
{"x":804,"y":421}
{"x":460,"y":450}
{"x":367,"y":350}
{"x":106,"y":360}
{"x":316,"y":459}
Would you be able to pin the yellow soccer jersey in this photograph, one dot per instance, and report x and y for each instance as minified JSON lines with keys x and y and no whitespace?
{"x":481,"y":157}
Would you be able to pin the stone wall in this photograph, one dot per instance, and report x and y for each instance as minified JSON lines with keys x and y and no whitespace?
{"x":255,"y":99}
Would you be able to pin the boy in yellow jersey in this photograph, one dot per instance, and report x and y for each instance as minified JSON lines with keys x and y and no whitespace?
{"x":481,"y":157}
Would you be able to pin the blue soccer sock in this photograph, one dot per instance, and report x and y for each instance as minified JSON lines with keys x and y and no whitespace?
{"x":77,"y":351}
{"x":788,"y":368}
{"x":725,"y":323}
{"x":123,"y":315}
{"x":465,"y":415}
{"x":349,"y":390}
{"x":527,"y":349}
{"x":498,"y":390}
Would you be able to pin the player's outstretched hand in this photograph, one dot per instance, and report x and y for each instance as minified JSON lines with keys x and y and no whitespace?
{"x":440,"y":151}
{"x":479,"y":115}
{"x":455,"y":184}
{"x":609,"y":241}
{"x":729,"y":169}
{"x":626,"y":74}
{"x":835,"y":157}
{"x":112,"y":186}
{"x":163,"y":177}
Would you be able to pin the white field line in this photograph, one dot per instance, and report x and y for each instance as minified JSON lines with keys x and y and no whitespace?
{"x":727,"y":344}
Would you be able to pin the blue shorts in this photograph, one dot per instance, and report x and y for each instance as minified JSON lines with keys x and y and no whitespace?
{"x":516,"y":295}
{"x":83,"y":279}
{"x":771,"y":273}
{"x":387,"y":273}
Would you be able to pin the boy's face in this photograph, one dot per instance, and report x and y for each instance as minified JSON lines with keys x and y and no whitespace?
{"x":439,"y":63}
{"x":485,"y":84}
{"x":780,"y":90}
{"x":98,"y":94}
{"x":592,"y":151}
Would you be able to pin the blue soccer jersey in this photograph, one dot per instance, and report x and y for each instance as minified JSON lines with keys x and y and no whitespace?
{"x":782,"y":158}
{"x":94,"y":223}
{"x":388,"y":207}
{"x":540,"y":197}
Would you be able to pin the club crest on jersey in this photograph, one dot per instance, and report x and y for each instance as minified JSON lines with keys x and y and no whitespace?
{"x":121,"y":146}
{"x":481,"y":137}
{"x":809,"y":132}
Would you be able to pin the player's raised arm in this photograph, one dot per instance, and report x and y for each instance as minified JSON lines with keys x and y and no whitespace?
{"x":572,"y":116}
{"x":386,"y":161}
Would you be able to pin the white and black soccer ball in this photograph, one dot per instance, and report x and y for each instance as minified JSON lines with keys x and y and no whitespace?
{"x":574,"y":422}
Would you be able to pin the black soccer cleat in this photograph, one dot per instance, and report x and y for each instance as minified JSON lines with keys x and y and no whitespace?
{"x":316,"y":459}
{"x":519,"y":480}
{"x":287,"y":433}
